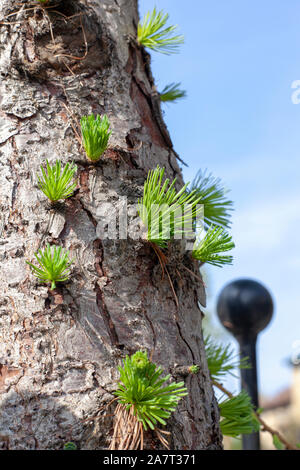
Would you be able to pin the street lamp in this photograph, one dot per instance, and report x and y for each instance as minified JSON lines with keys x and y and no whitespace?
{"x":245,"y":308}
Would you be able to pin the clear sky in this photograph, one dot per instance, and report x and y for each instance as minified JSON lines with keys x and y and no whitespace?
{"x":237,"y":65}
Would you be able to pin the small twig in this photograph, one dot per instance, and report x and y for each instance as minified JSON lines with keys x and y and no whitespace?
{"x":162,"y":439}
{"x":178,"y":158}
{"x":163,"y":262}
{"x":161,"y":257}
{"x":9,"y":24}
{"x":128,"y":431}
{"x":265,"y":426}
{"x":193,"y":274}
{"x":28,"y":9}
{"x":16,"y":12}
{"x":66,"y":17}
{"x":99,"y":409}
{"x":173,"y":290}
{"x":71,"y":114}
{"x":85,"y":43}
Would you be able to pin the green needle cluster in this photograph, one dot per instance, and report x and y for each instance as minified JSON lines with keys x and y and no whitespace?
{"x":217,"y":207}
{"x":237,"y":411}
{"x":238,"y":416}
{"x":166,"y":213}
{"x":221,"y":360}
{"x":153,"y":34}
{"x":55,"y":183}
{"x":171,"y":93}
{"x":70,"y":446}
{"x":210,"y":248}
{"x":194,"y":369}
{"x":95,"y":135}
{"x":142,"y":388}
{"x":53,"y":263}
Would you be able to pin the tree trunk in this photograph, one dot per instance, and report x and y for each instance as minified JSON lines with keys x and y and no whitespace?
{"x":59,"y":350}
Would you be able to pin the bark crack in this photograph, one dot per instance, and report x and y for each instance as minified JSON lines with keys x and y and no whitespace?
{"x":184,"y":340}
{"x":153,"y":332}
{"x":99,"y":294}
{"x":107,"y":318}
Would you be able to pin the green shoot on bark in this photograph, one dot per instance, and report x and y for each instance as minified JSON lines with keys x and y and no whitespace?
{"x":70,"y":446}
{"x":194,"y":369}
{"x":55,"y":183}
{"x":95,"y":135}
{"x":221,"y":359}
{"x":172,"y":93}
{"x":166,"y":213}
{"x":54,"y":264}
{"x":238,"y":416}
{"x":209,"y":249}
{"x":142,"y":389}
{"x":153,"y":34}
{"x":217,"y":207}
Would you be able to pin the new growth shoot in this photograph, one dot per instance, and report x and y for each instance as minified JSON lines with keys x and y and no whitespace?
{"x":54,"y":264}
{"x":172,"y":93}
{"x":95,"y":135}
{"x":166,"y":213}
{"x":153,"y":34}
{"x":146,"y":400}
{"x":55,"y":183}
{"x":210,"y":249}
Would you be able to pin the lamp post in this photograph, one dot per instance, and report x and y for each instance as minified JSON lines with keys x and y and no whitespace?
{"x":245,"y":308}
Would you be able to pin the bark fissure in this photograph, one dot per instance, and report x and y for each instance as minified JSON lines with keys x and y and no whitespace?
{"x":185,"y":341}
{"x":107,"y":318}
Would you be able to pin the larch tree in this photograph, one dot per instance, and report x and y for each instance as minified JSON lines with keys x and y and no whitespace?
{"x":60,"y":348}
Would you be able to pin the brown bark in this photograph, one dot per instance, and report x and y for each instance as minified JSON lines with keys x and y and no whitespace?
{"x":59,"y":349}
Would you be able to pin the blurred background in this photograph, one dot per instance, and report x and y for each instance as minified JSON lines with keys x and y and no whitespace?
{"x":240,"y":120}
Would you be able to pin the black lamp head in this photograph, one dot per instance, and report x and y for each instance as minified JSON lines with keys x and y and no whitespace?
{"x":245,"y":308}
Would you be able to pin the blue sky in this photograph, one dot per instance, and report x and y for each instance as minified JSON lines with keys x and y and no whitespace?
{"x":237,"y":65}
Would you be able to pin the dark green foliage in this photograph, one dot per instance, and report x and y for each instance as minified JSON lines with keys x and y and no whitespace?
{"x":172,"y":93}
{"x":142,"y":388}
{"x":70,"y":446}
{"x":238,"y":416}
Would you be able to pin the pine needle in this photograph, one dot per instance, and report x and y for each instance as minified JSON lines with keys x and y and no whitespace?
{"x":95,"y":135}
{"x":153,"y":34}
{"x":172,"y":93}
{"x":166,"y":213}
{"x":55,"y":183}
{"x":238,"y":416}
{"x":143,"y":390}
{"x":208,"y":249}
{"x":54,"y":265}
{"x":221,"y":359}
{"x":213,"y":196}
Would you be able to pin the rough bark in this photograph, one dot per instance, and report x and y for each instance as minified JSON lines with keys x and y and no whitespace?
{"x":59,"y":349}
